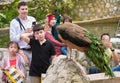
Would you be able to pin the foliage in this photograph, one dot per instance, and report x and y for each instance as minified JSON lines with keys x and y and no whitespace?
{"x":40,"y":8}
{"x":2,"y":16}
{"x":9,"y":12}
{"x":37,"y":8}
{"x":4,"y":39}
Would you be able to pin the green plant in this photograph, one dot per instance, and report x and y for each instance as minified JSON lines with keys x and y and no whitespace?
{"x":4,"y":39}
{"x":40,"y":8}
{"x":37,"y":8}
{"x":9,"y":12}
{"x":2,"y":16}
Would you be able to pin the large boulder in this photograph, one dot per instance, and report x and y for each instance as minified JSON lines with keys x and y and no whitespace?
{"x":65,"y":70}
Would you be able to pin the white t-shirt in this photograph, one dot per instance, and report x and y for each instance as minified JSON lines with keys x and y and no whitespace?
{"x":15,"y":30}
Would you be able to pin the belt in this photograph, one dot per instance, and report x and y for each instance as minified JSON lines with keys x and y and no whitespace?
{"x":26,"y":49}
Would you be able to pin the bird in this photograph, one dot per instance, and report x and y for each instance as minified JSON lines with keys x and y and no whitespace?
{"x":77,"y":37}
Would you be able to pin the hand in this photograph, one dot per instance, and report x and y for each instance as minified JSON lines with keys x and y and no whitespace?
{"x":28,"y":30}
{"x":2,"y":68}
{"x":108,"y":44}
{"x":24,"y":56}
{"x":46,"y":19}
{"x":6,"y":69}
{"x":21,"y":52}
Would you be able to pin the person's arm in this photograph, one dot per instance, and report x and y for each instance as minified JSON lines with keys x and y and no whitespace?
{"x":58,"y":17}
{"x":14,"y":31}
{"x":2,"y":64}
{"x":115,"y":56}
{"x":53,"y":56}
{"x":25,"y":37}
{"x":52,"y":39}
{"x":114,"y":53}
{"x":23,"y":56}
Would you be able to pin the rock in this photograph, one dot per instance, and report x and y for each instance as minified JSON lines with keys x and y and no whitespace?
{"x":64,"y":70}
{"x":102,"y":78}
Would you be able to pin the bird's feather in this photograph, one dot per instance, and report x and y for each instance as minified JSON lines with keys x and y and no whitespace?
{"x":75,"y":34}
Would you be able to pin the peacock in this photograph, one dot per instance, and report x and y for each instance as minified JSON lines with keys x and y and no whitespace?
{"x":77,"y":37}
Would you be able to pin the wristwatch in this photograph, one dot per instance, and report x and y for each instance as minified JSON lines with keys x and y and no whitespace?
{"x":112,"y":49}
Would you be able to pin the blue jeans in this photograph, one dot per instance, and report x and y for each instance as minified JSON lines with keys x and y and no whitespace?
{"x":117,"y":68}
{"x":94,"y":69}
{"x":64,"y":50}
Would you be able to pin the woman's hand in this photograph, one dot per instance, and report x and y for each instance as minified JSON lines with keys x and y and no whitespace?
{"x":21,"y":52}
{"x":24,"y":56}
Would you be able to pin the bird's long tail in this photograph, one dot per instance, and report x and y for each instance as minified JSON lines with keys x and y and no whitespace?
{"x":97,"y":55}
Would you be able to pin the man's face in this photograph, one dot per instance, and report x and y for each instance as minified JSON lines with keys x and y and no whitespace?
{"x":105,"y":39}
{"x":23,"y":11}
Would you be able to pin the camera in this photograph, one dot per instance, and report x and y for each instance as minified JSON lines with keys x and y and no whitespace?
{"x":33,"y":23}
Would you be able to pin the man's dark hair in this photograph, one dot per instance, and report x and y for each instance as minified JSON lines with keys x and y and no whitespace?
{"x":22,"y":4}
{"x":67,"y":18}
{"x":38,"y":27}
{"x":105,"y":34}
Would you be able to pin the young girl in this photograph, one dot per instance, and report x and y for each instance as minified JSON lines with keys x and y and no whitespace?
{"x":15,"y":58}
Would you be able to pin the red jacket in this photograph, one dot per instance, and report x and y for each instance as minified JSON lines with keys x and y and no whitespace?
{"x":56,"y":43}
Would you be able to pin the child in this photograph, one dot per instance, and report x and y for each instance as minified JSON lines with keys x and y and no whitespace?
{"x":15,"y":58}
{"x":42,"y":51}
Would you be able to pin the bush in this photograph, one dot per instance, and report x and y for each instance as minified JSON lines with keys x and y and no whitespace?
{"x":4,"y":39}
{"x":8,"y":12}
{"x":37,"y":8}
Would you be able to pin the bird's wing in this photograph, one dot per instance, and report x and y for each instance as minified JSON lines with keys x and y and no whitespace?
{"x":74,"y":34}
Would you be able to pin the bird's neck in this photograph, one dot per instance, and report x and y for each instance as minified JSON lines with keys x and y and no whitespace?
{"x":82,"y":49}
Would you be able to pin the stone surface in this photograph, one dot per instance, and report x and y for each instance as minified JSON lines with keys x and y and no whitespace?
{"x":101,"y":78}
{"x":95,"y":9}
{"x":66,"y":71}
